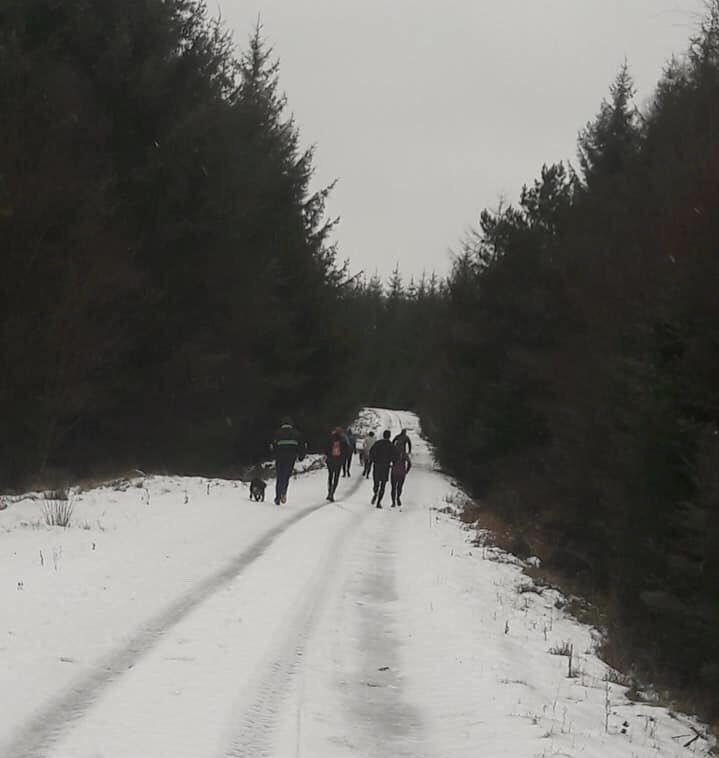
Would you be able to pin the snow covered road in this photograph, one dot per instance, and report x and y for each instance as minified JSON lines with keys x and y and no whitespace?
{"x":178,"y":619}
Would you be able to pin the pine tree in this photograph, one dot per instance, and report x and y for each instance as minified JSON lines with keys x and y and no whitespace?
{"x":608,"y":143}
{"x":154,"y":185}
{"x":395,"y":285}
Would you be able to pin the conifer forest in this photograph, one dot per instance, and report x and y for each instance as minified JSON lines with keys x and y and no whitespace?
{"x":171,"y":286}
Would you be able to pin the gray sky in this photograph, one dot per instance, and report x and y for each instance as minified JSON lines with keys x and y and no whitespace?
{"x":428,"y":111}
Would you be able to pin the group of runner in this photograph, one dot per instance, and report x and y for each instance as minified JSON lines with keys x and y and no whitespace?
{"x":386,"y":459}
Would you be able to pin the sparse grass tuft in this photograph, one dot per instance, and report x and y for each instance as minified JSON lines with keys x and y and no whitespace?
{"x":616,"y":677}
{"x":564,"y":648}
{"x":526,"y":587}
{"x":57,"y":508}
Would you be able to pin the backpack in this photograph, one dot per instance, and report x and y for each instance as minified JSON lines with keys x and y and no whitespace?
{"x":336,"y":448}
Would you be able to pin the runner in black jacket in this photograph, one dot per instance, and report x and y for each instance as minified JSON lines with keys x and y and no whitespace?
{"x":382,"y":456}
{"x":403,"y":442}
{"x":400,"y":469}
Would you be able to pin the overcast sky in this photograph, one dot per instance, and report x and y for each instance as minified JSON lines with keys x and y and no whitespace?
{"x":428,"y":111}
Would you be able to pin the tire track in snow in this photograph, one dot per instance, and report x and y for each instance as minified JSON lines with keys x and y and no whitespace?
{"x":395,"y":725}
{"x":372,"y":698}
{"x":39,"y":733}
{"x":255,"y":736}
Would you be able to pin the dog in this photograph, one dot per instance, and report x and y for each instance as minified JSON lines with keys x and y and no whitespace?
{"x":257,"y":490}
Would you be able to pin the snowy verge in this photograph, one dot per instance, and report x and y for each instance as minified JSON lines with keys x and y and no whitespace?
{"x":132,"y":549}
{"x":503,"y":665}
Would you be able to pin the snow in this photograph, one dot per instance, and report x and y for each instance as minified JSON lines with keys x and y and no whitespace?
{"x":174,"y":617}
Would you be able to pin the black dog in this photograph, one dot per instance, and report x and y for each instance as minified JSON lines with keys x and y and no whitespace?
{"x":257,"y":490}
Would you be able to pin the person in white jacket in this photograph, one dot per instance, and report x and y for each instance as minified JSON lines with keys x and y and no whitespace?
{"x":369,"y":440}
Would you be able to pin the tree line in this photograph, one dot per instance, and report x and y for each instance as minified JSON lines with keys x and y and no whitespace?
{"x":167,"y":277}
{"x":568,"y":368}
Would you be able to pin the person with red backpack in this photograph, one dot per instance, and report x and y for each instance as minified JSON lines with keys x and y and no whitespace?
{"x":337,"y":447}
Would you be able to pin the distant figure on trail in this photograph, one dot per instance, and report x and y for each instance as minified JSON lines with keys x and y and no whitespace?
{"x":336,"y":453}
{"x":351,"y":448}
{"x":382,"y":456}
{"x":403,"y":442}
{"x":369,"y":440}
{"x":348,"y":443}
{"x":287,"y":447}
{"x":400,"y":469}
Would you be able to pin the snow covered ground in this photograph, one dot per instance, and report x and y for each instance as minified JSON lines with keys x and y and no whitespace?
{"x":176,"y":618}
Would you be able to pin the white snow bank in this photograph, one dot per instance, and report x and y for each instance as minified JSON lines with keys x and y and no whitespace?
{"x":482,"y":648}
{"x":73,"y":594}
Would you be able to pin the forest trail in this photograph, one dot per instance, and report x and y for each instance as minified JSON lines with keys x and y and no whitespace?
{"x":187,"y":621}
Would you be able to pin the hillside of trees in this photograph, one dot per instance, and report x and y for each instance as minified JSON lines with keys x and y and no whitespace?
{"x":166,"y":278}
{"x":568,"y":371}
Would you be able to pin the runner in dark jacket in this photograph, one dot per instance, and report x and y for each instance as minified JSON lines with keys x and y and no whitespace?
{"x":403,"y":442}
{"x":382,"y":456}
{"x":287,"y":447}
{"x":400,"y":469}
{"x":336,"y":453}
